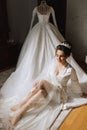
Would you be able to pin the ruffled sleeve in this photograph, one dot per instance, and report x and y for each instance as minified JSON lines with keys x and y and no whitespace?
{"x":75,"y":83}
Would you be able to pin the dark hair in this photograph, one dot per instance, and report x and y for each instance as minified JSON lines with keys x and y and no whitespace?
{"x":63,"y":47}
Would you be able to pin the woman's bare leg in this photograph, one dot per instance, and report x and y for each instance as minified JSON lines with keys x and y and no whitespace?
{"x":41,"y":85}
{"x":14,"y":108}
{"x":31,"y":103}
{"x":45,"y":85}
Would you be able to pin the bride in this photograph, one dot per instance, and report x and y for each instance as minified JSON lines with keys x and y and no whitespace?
{"x":37,"y":52}
{"x":50,"y":94}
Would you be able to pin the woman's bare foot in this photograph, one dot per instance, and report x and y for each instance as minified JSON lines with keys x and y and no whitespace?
{"x":15,"y":119}
{"x":10,"y":126}
{"x":14,"y":108}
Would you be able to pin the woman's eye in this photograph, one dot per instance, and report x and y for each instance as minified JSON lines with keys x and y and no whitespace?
{"x":60,"y":56}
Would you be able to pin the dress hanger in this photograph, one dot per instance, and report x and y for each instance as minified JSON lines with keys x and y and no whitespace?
{"x":43,"y":8}
{"x":43,"y":2}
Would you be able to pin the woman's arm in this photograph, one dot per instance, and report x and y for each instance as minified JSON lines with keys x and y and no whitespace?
{"x":75,"y":83}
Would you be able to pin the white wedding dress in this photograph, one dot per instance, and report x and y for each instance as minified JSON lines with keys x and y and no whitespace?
{"x":34,"y":61}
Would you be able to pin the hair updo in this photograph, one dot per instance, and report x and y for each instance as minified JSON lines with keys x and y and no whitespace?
{"x":65,"y":47}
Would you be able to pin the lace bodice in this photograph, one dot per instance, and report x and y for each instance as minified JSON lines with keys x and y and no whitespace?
{"x":43,"y":18}
{"x":67,"y":74}
{"x":62,"y":78}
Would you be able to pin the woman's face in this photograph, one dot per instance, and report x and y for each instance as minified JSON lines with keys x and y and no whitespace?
{"x":60,"y":56}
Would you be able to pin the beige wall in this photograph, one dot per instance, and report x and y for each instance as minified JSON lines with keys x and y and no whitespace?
{"x":19,"y":15}
{"x":76,"y":27}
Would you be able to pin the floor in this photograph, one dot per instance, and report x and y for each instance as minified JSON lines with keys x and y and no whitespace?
{"x":76,"y":120}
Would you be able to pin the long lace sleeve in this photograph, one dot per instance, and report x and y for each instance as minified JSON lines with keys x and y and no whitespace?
{"x":33,"y":17}
{"x":75,"y":83}
{"x":60,"y":36}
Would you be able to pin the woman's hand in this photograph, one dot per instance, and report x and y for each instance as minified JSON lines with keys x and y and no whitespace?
{"x":36,"y":83}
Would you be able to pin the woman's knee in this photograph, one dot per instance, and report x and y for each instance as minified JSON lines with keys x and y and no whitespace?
{"x":43,"y":92}
{"x":42,"y":82}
